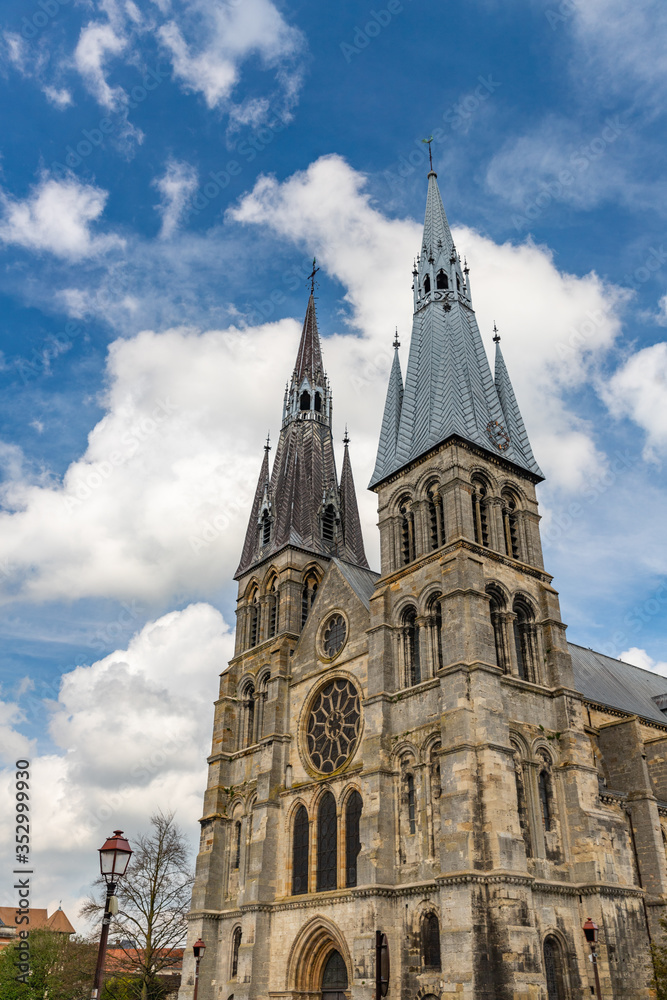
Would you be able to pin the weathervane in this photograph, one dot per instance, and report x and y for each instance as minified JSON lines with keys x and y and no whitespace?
{"x":311,"y":277}
{"x":267,"y":446}
{"x":496,"y":335}
{"x":346,"y":439}
{"x":397,"y":342}
{"x":429,"y":141}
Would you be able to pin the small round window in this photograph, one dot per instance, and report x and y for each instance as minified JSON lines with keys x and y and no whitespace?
{"x":334,"y":635}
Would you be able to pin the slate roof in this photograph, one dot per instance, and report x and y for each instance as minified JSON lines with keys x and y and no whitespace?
{"x":391,"y":420}
{"x":449,"y":390}
{"x":304,"y":476}
{"x":360,"y":579}
{"x":619,"y":685}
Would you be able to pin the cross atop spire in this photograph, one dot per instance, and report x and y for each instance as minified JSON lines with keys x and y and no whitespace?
{"x":311,"y":276}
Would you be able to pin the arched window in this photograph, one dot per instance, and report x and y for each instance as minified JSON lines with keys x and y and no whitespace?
{"x":410,"y":790}
{"x":318,"y":402}
{"x":435,"y":612}
{"x":553,"y":969}
{"x":253,"y":634}
{"x":260,"y":704}
{"x":273,"y":607}
{"x":308,"y":594}
{"x":236,"y":944}
{"x":352,"y":842}
{"x":334,"y":978}
{"x":248,"y":735}
{"x":441,"y":280}
{"x":510,"y":526}
{"x":479,"y":513}
{"x":523,"y":630}
{"x":521,"y":798}
{"x":499,"y":624}
{"x":236,"y":861}
{"x":427,"y":284}
{"x":407,"y":533}
{"x":430,"y":929}
{"x":300,"y":852}
{"x":543,"y":783}
{"x":304,"y":401}
{"x":435,"y":518}
{"x":458,"y":283}
{"x":411,"y":648}
{"x":329,"y":524}
{"x":265,"y":528}
{"x":327,"y":844}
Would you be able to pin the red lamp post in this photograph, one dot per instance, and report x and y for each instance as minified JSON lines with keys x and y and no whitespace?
{"x":198,"y":948}
{"x":115,"y":855}
{"x":591,"y":934}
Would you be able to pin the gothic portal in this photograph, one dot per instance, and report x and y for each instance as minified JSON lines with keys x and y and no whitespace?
{"x":421,"y":751}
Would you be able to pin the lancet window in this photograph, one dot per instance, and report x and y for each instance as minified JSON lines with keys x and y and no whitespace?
{"x":327,"y":844}
{"x":300,"y":852}
{"x":543,"y":783}
{"x":413,"y":674}
{"x":273,"y":607}
{"x":265,"y":528}
{"x":236,"y":944}
{"x":435,"y":622}
{"x":554,"y":969}
{"x":479,"y":512}
{"x":353,"y":808}
{"x":236,"y":860}
{"x":510,"y":526}
{"x":441,"y":280}
{"x":329,"y":524}
{"x":498,"y":614}
{"x":248,"y":725}
{"x":407,"y":529}
{"x":253,"y":629}
{"x":410,"y":794}
{"x":304,"y":400}
{"x":524,"y":632}
{"x":308,"y":594}
{"x":430,"y":934}
{"x":435,"y":517}
{"x":427,"y":284}
{"x":318,"y":402}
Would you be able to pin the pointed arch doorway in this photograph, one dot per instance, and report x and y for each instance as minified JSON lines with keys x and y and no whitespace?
{"x":334,"y":978}
{"x":319,"y":966}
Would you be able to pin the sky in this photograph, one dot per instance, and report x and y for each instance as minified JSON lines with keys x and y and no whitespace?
{"x":168,"y":171}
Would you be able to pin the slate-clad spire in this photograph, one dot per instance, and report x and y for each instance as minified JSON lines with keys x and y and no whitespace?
{"x":302,"y":504}
{"x":391,"y":419}
{"x":353,"y":542}
{"x":513,"y":418}
{"x":449,"y":389}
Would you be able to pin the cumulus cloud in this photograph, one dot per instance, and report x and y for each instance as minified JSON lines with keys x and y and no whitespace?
{"x":131,"y":733}
{"x":639,"y":390}
{"x":57,"y":217}
{"x":176,"y":186}
{"x":640,"y":658}
{"x":60,"y":97}
{"x":223,"y":36}
{"x":554,"y":325}
{"x":97,"y":42}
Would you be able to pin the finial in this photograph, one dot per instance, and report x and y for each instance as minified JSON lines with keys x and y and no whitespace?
{"x":430,"y":157}
{"x":496,"y":335}
{"x":397,"y":342}
{"x":346,"y":439}
{"x":311,"y":276}
{"x":267,"y":446}
{"x":466,"y":269}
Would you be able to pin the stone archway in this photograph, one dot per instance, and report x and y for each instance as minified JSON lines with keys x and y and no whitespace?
{"x":311,"y":951}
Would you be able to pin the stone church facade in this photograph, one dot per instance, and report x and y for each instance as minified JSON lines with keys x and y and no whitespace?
{"x":421,"y":751}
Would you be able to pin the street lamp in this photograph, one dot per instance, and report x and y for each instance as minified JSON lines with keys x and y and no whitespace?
{"x":198,"y":948}
{"x":591,"y":934}
{"x":115,"y":854}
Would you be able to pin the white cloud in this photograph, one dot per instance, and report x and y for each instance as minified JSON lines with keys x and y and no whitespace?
{"x":57,"y":217}
{"x":96,"y":42}
{"x":131,"y":735}
{"x":177,"y":186}
{"x":554,"y":325}
{"x":225,"y":35}
{"x":639,"y":390}
{"x":60,"y":97}
{"x":640,"y":658}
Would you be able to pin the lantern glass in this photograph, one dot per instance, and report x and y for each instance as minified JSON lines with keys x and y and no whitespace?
{"x":198,"y":948}
{"x":115,"y":856}
{"x":591,"y":931}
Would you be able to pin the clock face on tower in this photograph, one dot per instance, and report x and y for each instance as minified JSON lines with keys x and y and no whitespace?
{"x":498,"y":435}
{"x":333,"y":725}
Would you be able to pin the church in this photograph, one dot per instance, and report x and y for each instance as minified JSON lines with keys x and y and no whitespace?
{"x":420,"y":751}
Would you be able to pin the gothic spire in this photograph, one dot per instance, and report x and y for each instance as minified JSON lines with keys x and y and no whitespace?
{"x":513,"y":419}
{"x":353,"y":542}
{"x":386,"y":454}
{"x":449,"y":389}
{"x":302,"y":504}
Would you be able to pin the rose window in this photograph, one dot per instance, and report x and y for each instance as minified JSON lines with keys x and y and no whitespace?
{"x":333,"y":725}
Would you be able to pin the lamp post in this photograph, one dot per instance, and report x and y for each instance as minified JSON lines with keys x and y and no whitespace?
{"x":591,"y":934}
{"x":198,"y":948}
{"x":115,"y":854}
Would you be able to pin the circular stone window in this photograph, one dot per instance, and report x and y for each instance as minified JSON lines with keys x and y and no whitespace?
{"x":333,"y":725}
{"x":334,"y":635}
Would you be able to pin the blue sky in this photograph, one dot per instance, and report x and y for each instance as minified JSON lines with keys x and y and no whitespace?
{"x":167,"y":170}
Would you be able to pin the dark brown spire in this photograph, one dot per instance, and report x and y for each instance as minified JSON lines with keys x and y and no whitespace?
{"x":309,"y":356}
{"x":353,"y":548}
{"x":303,"y":504}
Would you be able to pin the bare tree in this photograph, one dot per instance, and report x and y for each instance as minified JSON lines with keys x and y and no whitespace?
{"x":153,"y":898}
